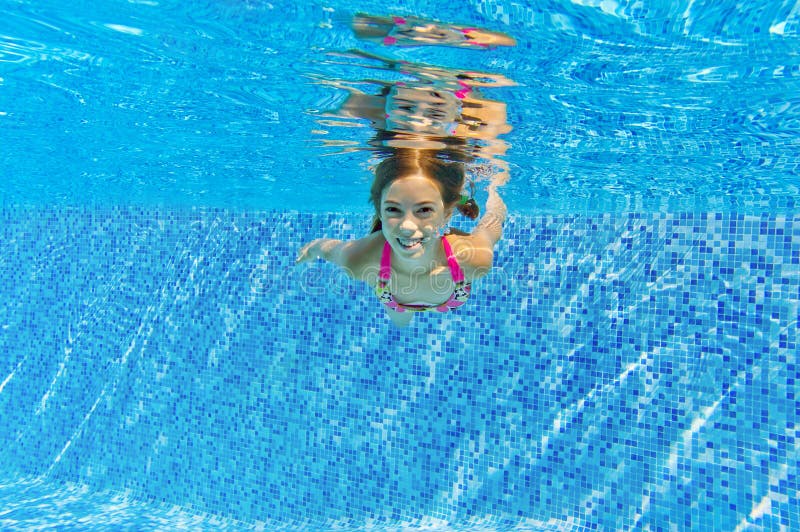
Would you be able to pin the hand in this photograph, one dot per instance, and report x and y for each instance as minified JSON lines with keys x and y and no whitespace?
{"x":309,"y":252}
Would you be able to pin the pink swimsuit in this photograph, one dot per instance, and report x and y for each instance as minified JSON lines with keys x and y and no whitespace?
{"x":457,"y":298}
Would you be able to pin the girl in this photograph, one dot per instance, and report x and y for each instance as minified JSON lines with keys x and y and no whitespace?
{"x":415,"y":263}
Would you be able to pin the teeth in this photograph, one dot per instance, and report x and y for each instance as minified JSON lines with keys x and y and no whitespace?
{"x":410,"y":243}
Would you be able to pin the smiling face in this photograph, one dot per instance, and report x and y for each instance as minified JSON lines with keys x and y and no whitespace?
{"x":412,"y":213}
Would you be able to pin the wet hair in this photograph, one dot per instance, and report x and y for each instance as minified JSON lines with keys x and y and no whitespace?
{"x":448,"y":176}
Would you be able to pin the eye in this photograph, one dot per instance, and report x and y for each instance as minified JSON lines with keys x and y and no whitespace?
{"x":391,"y":210}
{"x":425,"y":211}
{"x":434,"y":114}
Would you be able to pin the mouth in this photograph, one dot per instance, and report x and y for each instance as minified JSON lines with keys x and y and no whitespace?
{"x":410,"y":244}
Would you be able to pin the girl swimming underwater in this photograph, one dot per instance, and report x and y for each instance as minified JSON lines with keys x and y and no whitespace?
{"x":411,"y":257}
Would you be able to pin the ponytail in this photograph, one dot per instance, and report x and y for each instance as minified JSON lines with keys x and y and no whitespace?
{"x":467,"y":204}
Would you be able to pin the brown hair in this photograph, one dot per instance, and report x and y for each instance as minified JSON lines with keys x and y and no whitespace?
{"x":448,"y":176}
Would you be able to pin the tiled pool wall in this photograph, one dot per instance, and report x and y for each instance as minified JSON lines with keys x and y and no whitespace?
{"x":614,"y":371}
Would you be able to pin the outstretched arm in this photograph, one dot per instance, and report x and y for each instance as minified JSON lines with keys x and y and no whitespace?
{"x":490,"y":226}
{"x":477,"y":251}
{"x":353,"y":256}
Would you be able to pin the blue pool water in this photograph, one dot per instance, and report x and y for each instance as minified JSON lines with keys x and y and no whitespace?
{"x":630,"y":363}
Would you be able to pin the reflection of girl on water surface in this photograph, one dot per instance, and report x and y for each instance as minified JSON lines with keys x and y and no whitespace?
{"x":430,"y":101}
{"x":414,"y":31}
{"x":410,"y":258}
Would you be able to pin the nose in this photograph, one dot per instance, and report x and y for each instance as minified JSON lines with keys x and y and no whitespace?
{"x":408,"y":225}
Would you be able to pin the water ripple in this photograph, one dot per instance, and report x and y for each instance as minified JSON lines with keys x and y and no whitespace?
{"x":693,"y":98}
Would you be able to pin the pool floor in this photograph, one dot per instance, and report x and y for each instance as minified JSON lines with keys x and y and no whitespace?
{"x":166,"y":369}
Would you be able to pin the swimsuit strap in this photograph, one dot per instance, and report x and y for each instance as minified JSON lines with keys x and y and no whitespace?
{"x":386,"y":262}
{"x":455,"y":269}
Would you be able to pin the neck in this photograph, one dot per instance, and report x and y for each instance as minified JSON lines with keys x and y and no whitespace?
{"x":433,"y":258}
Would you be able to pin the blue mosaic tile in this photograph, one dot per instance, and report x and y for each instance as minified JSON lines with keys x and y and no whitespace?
{"x":613,"y":371}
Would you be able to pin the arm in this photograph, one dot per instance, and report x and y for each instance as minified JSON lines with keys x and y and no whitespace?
{"x":327,"y":249}
{"x":353,"y":256}
{"x":490,"y":227}
{"x":477,"y":253}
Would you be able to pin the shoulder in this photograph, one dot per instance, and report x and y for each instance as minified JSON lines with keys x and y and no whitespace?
{"x":473,"y":253}
{"x":363,"y":256}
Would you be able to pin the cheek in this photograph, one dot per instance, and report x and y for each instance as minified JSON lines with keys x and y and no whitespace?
{"x":388,"y":221}
{"x":441,"y":220}
{"x":389,"y":226}
{"x":432,"y":225}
